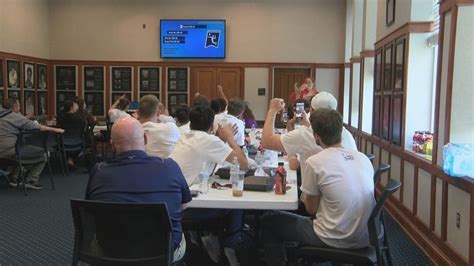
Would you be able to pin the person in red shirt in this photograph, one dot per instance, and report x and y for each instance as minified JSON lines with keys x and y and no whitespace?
{"x":306,"y":90}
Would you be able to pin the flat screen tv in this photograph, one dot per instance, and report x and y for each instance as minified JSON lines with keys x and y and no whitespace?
{"x":192,"y":38}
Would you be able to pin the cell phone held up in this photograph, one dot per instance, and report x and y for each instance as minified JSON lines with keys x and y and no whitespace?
{"x":299,"y":114}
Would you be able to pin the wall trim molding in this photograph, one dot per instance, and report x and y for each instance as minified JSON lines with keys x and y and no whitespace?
{"x":355,"y":59}
{"x":367,"y":53}
{"x":409,"y":27}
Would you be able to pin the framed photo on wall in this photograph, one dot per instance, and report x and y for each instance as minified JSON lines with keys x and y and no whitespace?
{"x":42,"y":77}
{"x":149,"y":79}
{"x":13,"y":74}
{"x":390,"y":12}
{"x":14,"y":94}
{"x":29,"y":75}
{"x":29,"y":102}
{"x":66,"y":78}
{"x":42,"y":103}
{"x":121,"y":79}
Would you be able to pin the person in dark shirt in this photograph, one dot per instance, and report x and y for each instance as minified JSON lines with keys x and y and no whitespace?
{"x":136,"y":177}
{"x":82,"y":111}
{"x":71,"y":121}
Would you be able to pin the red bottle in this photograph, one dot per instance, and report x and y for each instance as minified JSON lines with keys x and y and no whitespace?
{"x":280,"y":180}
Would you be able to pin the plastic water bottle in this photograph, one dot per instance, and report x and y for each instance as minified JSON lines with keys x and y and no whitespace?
{"x":203,"y":179}
{"x":235,"y":167}
{"x":259,"y":158}
{"x":253,"y":134}
{"x":245,"y":151}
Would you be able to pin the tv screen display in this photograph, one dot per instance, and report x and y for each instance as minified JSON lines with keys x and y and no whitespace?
{"x":192,"y":38}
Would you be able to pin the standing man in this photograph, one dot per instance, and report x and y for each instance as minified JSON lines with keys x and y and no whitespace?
{"x":136,"y":177}
{"x":12,"y":122}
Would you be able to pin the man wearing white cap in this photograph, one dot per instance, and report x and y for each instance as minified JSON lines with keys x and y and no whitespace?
{"x":301,"y":140}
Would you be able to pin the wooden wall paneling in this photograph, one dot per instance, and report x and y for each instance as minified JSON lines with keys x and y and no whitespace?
{"x":409,"y":27}
{"x":438,"y":89}
{"x":415,"y":191}
{"x":471,"y":231}
{"x":231,"y":80}
{"x":340,"y":100}
{"x":313,"y":74}
{"x":402,"y":178}
{"x":204,"y":81}
{"x":361,"y":92}
{"x":444,"y":211}
{"x":270,"y":83}
{"x":242,"y":83}
{"x":449,"y":85}
{"x":433,"y":203}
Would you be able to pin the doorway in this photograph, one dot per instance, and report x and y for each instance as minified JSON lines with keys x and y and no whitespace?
{"x":285,"y":78}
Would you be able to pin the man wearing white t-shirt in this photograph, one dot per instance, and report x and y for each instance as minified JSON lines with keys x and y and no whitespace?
{"x":300,"y":141}
{"x":161,"y":137}
{"x":235,"y":108}
{"x":199,"y":146}
{"x":338,"y":192}
{"x":119,"y":109}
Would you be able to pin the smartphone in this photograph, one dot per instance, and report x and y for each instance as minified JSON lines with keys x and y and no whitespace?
{"x":284,"y":117}
{"x":299,"y":110}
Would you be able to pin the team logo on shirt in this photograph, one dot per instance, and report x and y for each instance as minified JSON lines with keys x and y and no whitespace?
{"x":347,"y":157}
{"x":212,"y":38}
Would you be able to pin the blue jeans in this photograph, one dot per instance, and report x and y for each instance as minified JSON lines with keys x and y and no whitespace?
{"x":278,"y":227}
{"x":234,"y":222}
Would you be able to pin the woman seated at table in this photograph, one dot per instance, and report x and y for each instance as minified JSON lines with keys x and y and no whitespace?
{"x":119,"y":109}
{"x":82,"y":111}
{"x":70,"y":120}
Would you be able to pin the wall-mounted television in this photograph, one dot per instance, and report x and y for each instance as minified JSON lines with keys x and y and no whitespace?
{"x":192,"y":38}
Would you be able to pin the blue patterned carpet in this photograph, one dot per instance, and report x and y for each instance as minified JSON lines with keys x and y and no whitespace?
{"x":38,"y":230}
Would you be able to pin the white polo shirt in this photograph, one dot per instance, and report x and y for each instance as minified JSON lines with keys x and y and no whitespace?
{"x":115,"y":114}
{"x":226,"y":119}
{"x":161,"y":137}
{"x":343,"y":178}
{"x":184,"y":129}
{"x":196,"y":148}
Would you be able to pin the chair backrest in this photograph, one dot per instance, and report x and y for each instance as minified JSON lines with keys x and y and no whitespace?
{"x":74,"y":136}
{"x":374,"y":220}
{"x":371,"y":157}
{"x":383,"y":168}
{"x":35,"y":138}
{"x":112,"y":233}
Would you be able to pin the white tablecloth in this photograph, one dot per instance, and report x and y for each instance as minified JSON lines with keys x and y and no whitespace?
{"x":255,"y":200}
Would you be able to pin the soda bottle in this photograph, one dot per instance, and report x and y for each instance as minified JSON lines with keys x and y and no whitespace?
{"x":280,"y":180}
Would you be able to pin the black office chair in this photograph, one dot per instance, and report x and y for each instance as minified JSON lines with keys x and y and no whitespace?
{"x":55,"y":147}
{"x":112,"y":233}
{"x":371,"y":157}
{"x":383,"y":168}
{"x":104,"y":138}
{"x":73,"y":141}
{"x":372,"y":255}
{"x":30,"y":148}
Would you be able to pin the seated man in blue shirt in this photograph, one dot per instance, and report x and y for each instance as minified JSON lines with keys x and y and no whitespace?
{"x":136,"y":177}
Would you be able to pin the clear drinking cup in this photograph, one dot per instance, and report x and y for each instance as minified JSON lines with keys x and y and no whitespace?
{"x":238,"y":184}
